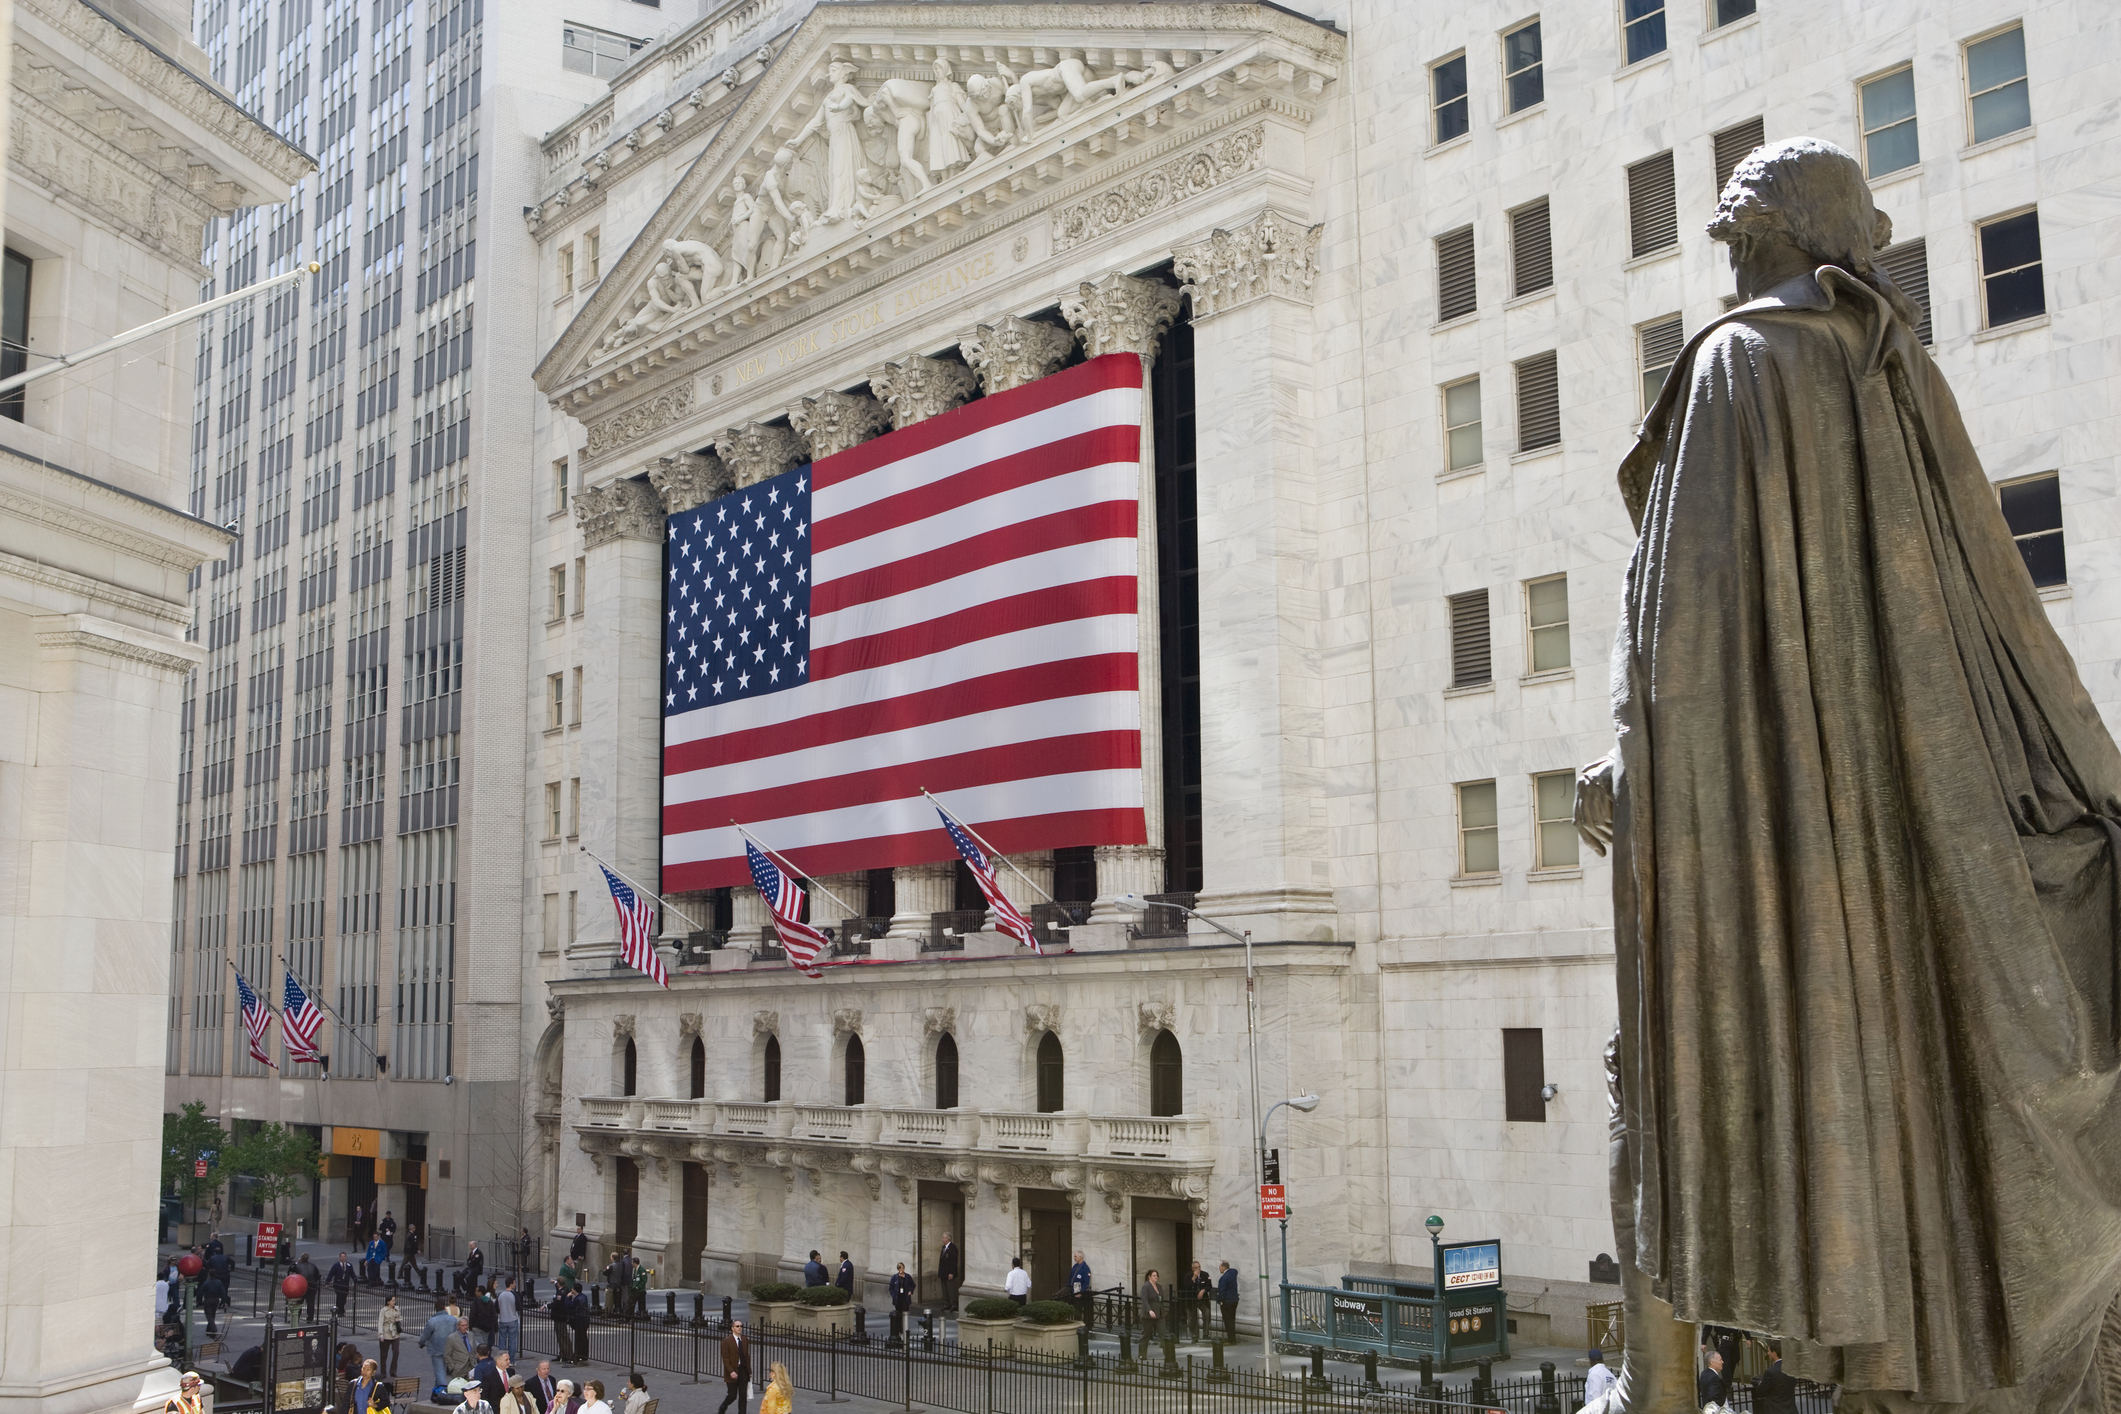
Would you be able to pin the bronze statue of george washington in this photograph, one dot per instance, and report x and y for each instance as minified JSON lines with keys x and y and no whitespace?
{"x":1866,"y":835}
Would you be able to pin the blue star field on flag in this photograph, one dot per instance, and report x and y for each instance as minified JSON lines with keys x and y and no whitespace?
{"x":737,"y":601}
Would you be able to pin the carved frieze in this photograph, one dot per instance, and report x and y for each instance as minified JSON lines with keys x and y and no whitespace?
{"x":832,"y":421}
{"x":686,"y":479}
{"x":755,"y":451}
{"x":618,"y":510}
{"x":1041,"y":1017}
{"x":765,"y":1023}
{"x":1268,"y":255}
{"x":939,"y":1020}
{"x":1160,"y":188}
{"x":1121,"y":314}
{"x":917,"y":388}
{"x":609,"y":434}
{"x":1012,"y":351}
{"x":1153,"y":1017}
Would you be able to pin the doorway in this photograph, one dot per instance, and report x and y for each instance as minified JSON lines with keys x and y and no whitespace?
{"x":629,"y":1205}
{"x":361,"y":1191}
{"x":942,"y":1213}
{"x":1163,"y":1240}
{"x":1047,"y":1240}
{"x":693,"y":1222}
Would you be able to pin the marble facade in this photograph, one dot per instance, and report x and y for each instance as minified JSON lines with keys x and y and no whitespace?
{"x":1282,"y":170}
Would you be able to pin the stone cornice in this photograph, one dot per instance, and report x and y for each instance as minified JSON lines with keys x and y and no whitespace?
{"x":81,"y":506}
{"x":174,"y":612}
{"x":79,"y":634}
{"x":109,"y":185}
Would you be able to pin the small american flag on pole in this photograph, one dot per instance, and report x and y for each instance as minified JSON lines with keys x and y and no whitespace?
{"x":257,"y":1021}
{"x":636,"y":929}
{"x":1007,"y":916}
{"x":300,"y":1020}
{"x":784,"y":898}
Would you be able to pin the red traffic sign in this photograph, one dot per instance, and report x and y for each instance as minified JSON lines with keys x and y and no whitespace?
{"x":198,"y":1168}
{"x":1273,"y":1205}
{"x":268,"y":1240}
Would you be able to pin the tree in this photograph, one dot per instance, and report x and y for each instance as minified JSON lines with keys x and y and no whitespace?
{"x":280,"y":1162}
{"x":186,"y":1139}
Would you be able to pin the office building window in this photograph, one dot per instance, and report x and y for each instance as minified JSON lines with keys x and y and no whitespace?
{"x":1479,"y":842}
{"x":1996,"y":98}
{"x":1447,"y":97}
{"x":14,"y":328}
{"x":1734,"y":145}
{"x":581,"y":583}
{"x":1524,"y":74}
{"x":1461,"y":424}
{"x":596,"y":52}
{"x":574,"y":808}
{"x":1546,"y":611}
{"x":1908,"y":263}
{"x":1456,"y":292}
{"x":593,"y":253}
{"x":575,"y":717}
{"x":1889,"y":142}
{"x":1471,"y":661}
{"x":1658,"y":344}
{"x":1653,"y":206}
{"x":559,"y":486}
{"x":1531,"y":249}
{"x":1642,"y":21}
{"x":1726,"y":12}
{"x":1538,"y":402}
{"x":557,"y":607}
{"x":1524,"y":1075}
{"x":555,"y":701}
{"x":552,"y":810}
{"x":2033,"y":510}
{"x":1554,"y":819}
{"x":566,"y":269}
{"x":2011,"y":286}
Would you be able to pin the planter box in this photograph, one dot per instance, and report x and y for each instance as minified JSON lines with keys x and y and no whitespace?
{"x":778,"y":1314}
{"x":824,"y":1322}
{"x":1056,"y":1341}
{"x":974,"y":1334}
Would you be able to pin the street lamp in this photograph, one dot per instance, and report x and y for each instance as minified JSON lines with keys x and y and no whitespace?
{"x":1305,"y":1103}
{"x":1135,"y":903}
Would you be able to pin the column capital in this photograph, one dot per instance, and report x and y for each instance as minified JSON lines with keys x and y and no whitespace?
{"x":1013,"y":351}
{"x":685,"y":479}
{"x":755,"y":451}
{"x":833,"y":421}
{"x":917,"y":387}
{"x":1121,"y":314}
{"x":618,"y":510}
{"x":1271,"y":254}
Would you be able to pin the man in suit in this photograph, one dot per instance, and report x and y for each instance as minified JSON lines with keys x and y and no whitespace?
{"x":736,"y":1367}
{"x":486,"y":1373}
{"x":341,"y":1277}
{"x":813,"y":1270}
{"x":1708,"y":1385}
{"x":845,"y":1280}
{"x":950,"y":1270}
{"x":1774,"y":1390}
{"x":578,"y":1247}
{"x":543,"y":1387}
{"x":1226,"y":1297}
{"x":578,"y":1322}
{"x":1199,"y":1288}
{"x":901,"y":1303}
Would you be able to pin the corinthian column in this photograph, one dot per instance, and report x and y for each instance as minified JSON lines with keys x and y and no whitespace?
{"x":689,"y":479}
{"x":1122,"y":314}
{"x":832,"y":422}
{"x":622,"y":712}
{"x":1011,"y":352}
{"x":916,"y":388}
{"x":755,"y":451}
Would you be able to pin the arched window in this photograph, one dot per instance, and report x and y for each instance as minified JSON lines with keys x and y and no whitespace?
{"x":945,"y":1072}
{"x":628,"y":1068}
{"x":854,"y":1070}
{"x":1051,"y":1069}
{"x":1167,"y":1076}
{"x":699,"y":1069}
{"x":773,"y":1069}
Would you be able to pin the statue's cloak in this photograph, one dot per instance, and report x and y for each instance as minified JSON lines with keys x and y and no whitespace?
{"x":1865,"y":839}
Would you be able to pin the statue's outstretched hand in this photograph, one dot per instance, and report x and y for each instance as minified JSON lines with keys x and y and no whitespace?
{"x":1594,"y":804}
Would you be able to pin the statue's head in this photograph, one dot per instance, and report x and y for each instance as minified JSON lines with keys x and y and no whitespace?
{"x":1809,"y":194}
{"x":842,"y":72}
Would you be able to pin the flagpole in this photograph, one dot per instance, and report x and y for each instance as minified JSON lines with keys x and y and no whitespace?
{"x":846,"y":909}
{"x":642,"y":889}
{"x":991,"y":850}
{"x":316,"y":995}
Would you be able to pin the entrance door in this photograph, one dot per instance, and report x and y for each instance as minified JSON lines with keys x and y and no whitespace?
{"x":361,"y":1188}
{"x":1049,"y":1248}
{"x":942,"y":1212}
{"x":694,"y":1221}
{"x":1163,"y":1239}
{"x":629,"y":1214}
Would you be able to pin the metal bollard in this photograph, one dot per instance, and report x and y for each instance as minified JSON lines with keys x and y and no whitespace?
{"x":699,"y":1308}
{"x":1549,"y":1399}
{"x":861,"y":1327}
{"x":1318,"y":1364}
{"x":1082,"y":1347}
{"x":725,"y":1312}
{"x":1428,"y":1372}
{"x":596,"y":1299}
{"x":1219,"y":1373}
{"x":670,"y":1307}
{"x":1369,"y":1372}
{"x":1484,"y":1382}
{"x":1126,"y":1347}
{"x":1170,"y":1369}
{"x":928,"y":1329}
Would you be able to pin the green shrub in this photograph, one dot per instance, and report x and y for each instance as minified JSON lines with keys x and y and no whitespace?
{"x":823,"y":1296}
{"x":776,"y":1291}
{"x":1050,"y":1313}
{"x":993,"y":1308}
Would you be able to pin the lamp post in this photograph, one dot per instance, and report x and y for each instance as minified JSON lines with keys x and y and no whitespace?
{"x":1305,"y":1103}
{"x":1135,"y":903}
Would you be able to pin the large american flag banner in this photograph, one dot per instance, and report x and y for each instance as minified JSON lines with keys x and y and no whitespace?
{"x":257,"y":1020}
{"x":300,"y":1020}
{"x":948,"y":607}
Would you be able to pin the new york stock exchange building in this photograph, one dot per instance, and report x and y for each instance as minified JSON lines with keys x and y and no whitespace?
{"x":1198,"y":522}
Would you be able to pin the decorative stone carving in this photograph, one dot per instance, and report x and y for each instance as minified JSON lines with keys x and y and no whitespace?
{"x":618,"y":510}
{"x":685,"y":479}
{"x":833,"y":421}
{"x":1121,"y":314}
{"x":870,"y":1167}
{"x":641,"y":420}
{"x":1041,"y":1017}
{"x":917,"y":387}
{"x":622,"y":1027}
{"x":556,"y":1008}
{"x":847,"y":1021}
{"x":939,"y":1021}
{"x":1268,"y":255}
{"x":688,"y":1024}
{"x":1166,"y":185}
{"x":765,"y":1023}
{"x":755,"y":451}
{"x":1156,"y":1016}
{"x":1011,"y":351}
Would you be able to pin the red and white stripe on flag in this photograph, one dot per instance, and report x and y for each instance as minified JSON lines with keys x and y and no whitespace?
{"x":973,"y":631}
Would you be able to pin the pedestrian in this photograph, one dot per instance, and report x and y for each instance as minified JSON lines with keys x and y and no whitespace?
{"x":487,"y":1374}
{"x":377,"y":1260}
{"x":1774,"y":1390}
{"x":1599,"y":1378}
{"x":1709,"y":1386}
{"x":315,"y":1280}
{"x":189,"y":1398}
{"x":363,"y":1384}
{"x":1226,"y":1296}
{"x":434,"y":1337}
{"x":543,"y":1387}
{"x":578,"y":1247}
{"x":1200,"y":1288}
{"x":518,"y":1400}
{"x":901,"y":1303}
{"x":475,"y":1399}
{"x":341,"y":1278}
{"x":353,"y":1228}
{"x":378,"y":1399}
{"x":561,"y":1311}
{"x":1151,"y":1298}
{"x":388,"y":1231}
{"x":411,"y":1263}
{"x":1018,"y":1282}
{"x":390,"y":1329}
{"x":736,"y":1368}
{"x":474,"y":1267}
{"x":485,"y":1317}
{"x":509,"y":1323}
{"x":637,"y":1285}
{"x":348,"y":1364}
{"x":1079,"y":1288}
{"x":569,"y":1273}
{"x":844,"y":1279}
{"x":564,"y":1399}
{"x":950,"y":1270}
{"x":578,"y":1320}
{"x":161,"y":1299}
{"x":780,"y":1393}
{"x":457,"y":1359}
{"x":814,"y":1271}
{"x":616,"y":1273}
{"x":593,"y":1398}
{"x":213,"y":1295}
{"x":636,"y":1394}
